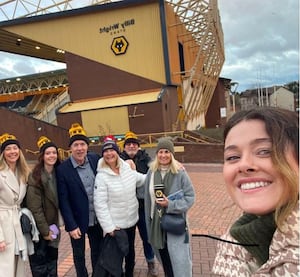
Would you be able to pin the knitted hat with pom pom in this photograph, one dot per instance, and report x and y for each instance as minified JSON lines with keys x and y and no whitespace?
{"x":7,"y":139}
{"x":110,"y":143}
{"x":43,"y":143}
{"x":131,"y":137}
{"x":76,"y":132}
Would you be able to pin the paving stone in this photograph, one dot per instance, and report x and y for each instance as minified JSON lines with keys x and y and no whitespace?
{"x":212,"y":214}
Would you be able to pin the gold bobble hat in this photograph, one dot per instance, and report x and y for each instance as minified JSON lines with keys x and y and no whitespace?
{"x":131,"y":137}
{"x":76,"y":132}
{"x":43,"y":143}
{"x":7,"y":139}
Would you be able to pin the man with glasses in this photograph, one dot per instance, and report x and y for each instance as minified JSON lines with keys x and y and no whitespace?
{"x":141,"y":159}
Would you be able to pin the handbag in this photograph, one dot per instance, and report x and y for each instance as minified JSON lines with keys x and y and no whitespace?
{"x":25,"y":224}
{"x":173,"y":223}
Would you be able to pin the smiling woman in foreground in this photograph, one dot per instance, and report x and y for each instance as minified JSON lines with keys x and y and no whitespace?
{"x":261,"y":173}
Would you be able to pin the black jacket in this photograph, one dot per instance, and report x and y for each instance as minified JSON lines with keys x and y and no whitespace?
{"x":111,"y":257}
{"x":141,"y":160}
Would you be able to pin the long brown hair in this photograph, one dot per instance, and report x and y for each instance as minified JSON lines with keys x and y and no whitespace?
{"x":37,"y":170}
{"x":283,"y":128}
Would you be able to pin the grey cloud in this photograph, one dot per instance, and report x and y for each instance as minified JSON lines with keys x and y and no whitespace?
{"x":261,"y":41}
{"x":22,"y":68}
{"x":261,"y":44}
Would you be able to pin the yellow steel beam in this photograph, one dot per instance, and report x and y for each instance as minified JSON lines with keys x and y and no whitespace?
{"x":17,"y":96}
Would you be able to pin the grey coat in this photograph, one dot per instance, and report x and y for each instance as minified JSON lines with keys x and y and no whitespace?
{"x":179,"y":251}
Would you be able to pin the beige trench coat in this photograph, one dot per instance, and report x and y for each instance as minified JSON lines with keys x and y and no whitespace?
{"x":11,"y":196}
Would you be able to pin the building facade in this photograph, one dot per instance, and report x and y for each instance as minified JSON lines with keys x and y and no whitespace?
{"x":277,"y":96}
{"x":145,"y":66}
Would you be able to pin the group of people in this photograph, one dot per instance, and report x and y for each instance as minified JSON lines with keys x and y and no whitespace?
{"x":107,"y":196}
{"x":98,"y":195}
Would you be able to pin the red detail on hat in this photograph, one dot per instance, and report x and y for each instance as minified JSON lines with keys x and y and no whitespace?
{"x":109,"y":138}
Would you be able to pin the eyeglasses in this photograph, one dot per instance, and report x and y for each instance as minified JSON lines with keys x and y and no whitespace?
{"x":131,"y":144}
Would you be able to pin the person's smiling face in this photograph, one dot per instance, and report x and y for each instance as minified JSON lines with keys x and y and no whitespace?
{"x":79,"y":150}
{"x":11,"y":153}
{"x":131,"y":148}
{"x":111,"y":157}
{"x":50,"y":156}
{"x":249,"y":173}
{"x":164,"y":157}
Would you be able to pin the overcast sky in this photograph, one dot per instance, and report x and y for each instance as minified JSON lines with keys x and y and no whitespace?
{"x":261,"y":45}
{"x":261,"y":41}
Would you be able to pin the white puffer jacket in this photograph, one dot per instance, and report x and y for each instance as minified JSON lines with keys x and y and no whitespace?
{"x":115,"y":201}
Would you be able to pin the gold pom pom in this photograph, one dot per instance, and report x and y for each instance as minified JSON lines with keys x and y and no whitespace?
{"x":5,"y":137}
{"x":42,"y":141}
{"x":130,"y":134}
{"x":76,"y":129}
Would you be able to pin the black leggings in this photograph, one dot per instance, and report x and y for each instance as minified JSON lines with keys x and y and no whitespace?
{"x":166,"y":262}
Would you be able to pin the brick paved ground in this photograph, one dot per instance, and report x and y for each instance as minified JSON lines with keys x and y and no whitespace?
{"x":211,"y":214}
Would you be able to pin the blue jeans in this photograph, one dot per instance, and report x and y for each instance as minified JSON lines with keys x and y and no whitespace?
{"x":141,"y":224}
{"x":95,"y":236}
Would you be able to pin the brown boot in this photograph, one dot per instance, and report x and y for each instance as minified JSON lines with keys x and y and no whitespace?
{"x":152,"y":271}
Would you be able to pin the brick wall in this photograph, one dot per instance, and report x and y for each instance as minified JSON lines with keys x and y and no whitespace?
{"x":192,"y":152}
{"x":199,"y":153}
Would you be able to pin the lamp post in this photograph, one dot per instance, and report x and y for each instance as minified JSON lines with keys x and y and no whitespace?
{"x":233,"y":88}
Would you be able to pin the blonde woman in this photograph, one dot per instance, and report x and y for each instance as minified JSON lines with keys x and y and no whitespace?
{"x":115,"y":200}
{"x":172,"y":250}
{"x":13,"y":178}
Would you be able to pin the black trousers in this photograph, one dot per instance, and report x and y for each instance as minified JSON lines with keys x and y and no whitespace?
{"x":43,"y":263}
{"x":95,"y":236}
{"x":130,"y":258}
{"x":141,"y":224}
{"x":166,"y":262}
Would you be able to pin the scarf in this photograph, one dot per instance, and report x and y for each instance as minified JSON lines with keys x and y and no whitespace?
{"x":158,"y":236}
{"x":252,"y":229}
